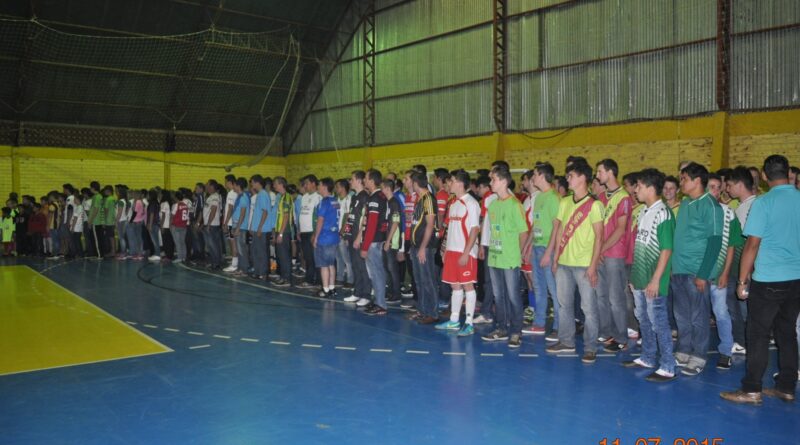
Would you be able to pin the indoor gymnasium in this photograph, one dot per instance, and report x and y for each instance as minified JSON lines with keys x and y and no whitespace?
{"x":399,"y":222}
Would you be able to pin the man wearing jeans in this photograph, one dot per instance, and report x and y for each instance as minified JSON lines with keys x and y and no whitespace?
{"x":212,"y":229}
{"x":773,"y":240}
{"x":612,"y":303}
{"x":579,"y":237}
{"x":374,"y":235}
{"x":239,"y":228}
{"x":721,"y":284}
{"x":650,"y":277}
{"x":698,"y":241}
{"x":508,"y":235}
{"x":258,"y":227}
{"x":423,"y":251}
{"x":545,"y":210}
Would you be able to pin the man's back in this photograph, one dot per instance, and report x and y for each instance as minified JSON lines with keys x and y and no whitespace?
{"x":775,"y":218}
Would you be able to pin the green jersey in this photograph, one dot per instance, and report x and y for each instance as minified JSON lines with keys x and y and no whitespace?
{"x":545,"y":210}
{"x":654,"y":235}
{"x":506,"y":221}
{"x":731,"y":237}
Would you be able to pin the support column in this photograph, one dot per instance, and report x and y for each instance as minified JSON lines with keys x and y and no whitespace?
{"x":499,"y":65}
{"x":369,"y":74}
{"x":720,"y":141}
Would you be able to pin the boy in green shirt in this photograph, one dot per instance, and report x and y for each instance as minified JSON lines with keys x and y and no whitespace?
{"x":578,"y":242}
{"x":650,"y":277}
{"x":508,"y":234}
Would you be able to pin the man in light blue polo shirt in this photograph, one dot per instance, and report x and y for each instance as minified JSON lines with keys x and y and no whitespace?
{"x":773,"y":243}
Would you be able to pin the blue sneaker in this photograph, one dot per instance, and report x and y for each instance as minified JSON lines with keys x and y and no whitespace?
{"x":466,"y":331}
{"x":448,"y":326}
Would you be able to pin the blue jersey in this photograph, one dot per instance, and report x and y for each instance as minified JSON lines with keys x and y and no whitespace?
{"x":329,"y":210}
{"x":242,"y":202}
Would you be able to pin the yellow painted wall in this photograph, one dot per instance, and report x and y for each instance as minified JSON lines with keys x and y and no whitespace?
{"x":715,"y":141}
{"x":42,"y":169}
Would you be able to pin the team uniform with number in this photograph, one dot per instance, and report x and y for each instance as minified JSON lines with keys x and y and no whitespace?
{"x":463,"y":216}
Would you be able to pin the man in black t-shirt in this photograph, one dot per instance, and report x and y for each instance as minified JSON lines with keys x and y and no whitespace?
{"x":352,"y":234}
{"x":372,"y":239}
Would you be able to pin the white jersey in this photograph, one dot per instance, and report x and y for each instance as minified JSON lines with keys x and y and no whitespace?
{"x":344,"y":207}
{"x":744,"y":209}
{"x":464,"y":215}
{"x":79,"y":216}
{"x":486,"y":232}
{"x":308,"y":211}
{"x":230,"y":201}
{"x":165,"y":215}
{"x":530,"y":201}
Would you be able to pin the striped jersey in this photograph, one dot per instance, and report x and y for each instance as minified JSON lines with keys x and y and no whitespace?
{"x":656,"y":231}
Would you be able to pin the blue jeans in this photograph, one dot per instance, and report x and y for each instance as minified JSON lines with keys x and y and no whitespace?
{"x":488,"y":289}
{"x":738,"y":310}
{"x":213,"y":236}
{"x":343,"y":263}
{"x":56,"y":240}
{"x":428,"y":297}
{"x":692,"y":310}
{"x":505,"y":284}
{"x":545,"y":281}
{"x":377,"y":273}
{"x":612,"y":302}
{"x":568,"y":279}
{"x":122,"y":231}
{"x":719,"y":304}
{"x":654,"y":326}
{"x":243,"y":251}
{"x":134,"y":232}
{"x":155,"y":237}
{"x":179,"y":235}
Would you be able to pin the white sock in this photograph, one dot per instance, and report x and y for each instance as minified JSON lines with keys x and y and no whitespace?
{"x":456,"y":298}
{"x":472,"y":296}
{"x":235,"y":262}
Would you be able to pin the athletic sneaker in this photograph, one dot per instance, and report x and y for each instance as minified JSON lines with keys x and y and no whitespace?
{"x":496,"y":335}
{"x":692,"y":370}
{"x":615,"y":347}
{"x":559,"y":348}
{"x":552,"y":336}
{"x":306,"y":285}
{"x":393,"y":300}
{"x":466,"y":331}
{"x":633,"y":334}
{"x":533,"y":330}
{"x":638,"y":363}
{"x":661,"y":376}
{"x":480,"y":319}
{"x":406,"y":291}
{"x":281,"y":283}
{"x":724,"y":362}
{"x":322,"y":293}
{"x":154,"y":258}
{"x":738,"y":349}
{"x":351,"y":299}
{"x":407,"y":303}
{"x":589,"y":357}
{"x":230,"y":269}
{"x":331,"y":294}
{"x":514,"y":341}
{"x":362,"y":302}
{"x":448,"y":326}
{"x":375,"y":310}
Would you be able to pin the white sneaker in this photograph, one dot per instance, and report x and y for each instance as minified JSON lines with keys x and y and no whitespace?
{"x":154,"y":258}
{"x":230,"y":269}
{"x":632,"y":334}
{"x":480,"y":319}
{"x":738,"y":349}
{"x":351,"y":299}
{"x":643,"y":364}
{"x":363,"y":302}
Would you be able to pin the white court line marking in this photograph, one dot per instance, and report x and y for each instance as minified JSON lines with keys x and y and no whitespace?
{"x":489,"y":354}
{"x":226,"y":337}
{"x":172,"y":329}
{"x":454,"y":353}
{"x":567,"y":355}
{"x":195,"y":333}
{"x":309,"y":345}
{"x":282,"y":343}
{"x":412,"y":351}
{"x":380,"y":350}
{"x":251,"y":340}
{"x":199,"y":346}
{"x":345,"y":348}
{"x":151,"y":326}
{"x":132,"y":323}
{"x":529,"y":355}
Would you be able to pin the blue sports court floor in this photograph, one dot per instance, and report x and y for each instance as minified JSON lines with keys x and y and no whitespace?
{"x":236,"y":363}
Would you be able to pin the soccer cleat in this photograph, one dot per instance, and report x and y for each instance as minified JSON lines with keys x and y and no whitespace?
{"x":448,"y":326}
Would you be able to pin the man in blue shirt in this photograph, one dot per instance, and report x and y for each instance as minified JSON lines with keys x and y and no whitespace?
{"x":326,"y":238}
{"x":239,"y":226}
{"x":773,"y":243}
{"x":258,"y":227}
